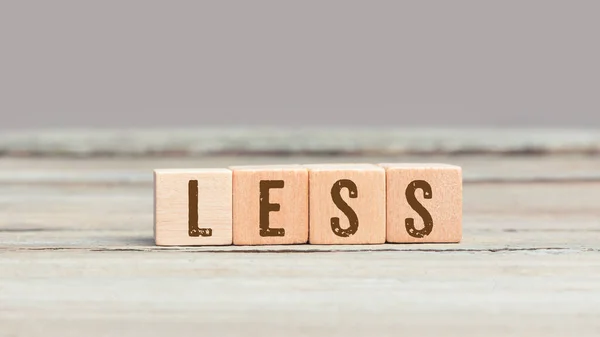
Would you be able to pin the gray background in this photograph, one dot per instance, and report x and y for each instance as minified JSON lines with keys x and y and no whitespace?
{"x":184,"y":63}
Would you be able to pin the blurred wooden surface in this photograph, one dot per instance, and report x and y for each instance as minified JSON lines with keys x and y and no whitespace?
{"x":77,"y":256}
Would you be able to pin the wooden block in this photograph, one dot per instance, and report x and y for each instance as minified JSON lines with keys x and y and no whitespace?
{"x":347,"y":204}
{"x":192,"y":207}
{"x":424,"y":203}
{"x":270,"y":205}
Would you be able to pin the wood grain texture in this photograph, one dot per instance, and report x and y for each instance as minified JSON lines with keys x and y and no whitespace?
{"x":84,"y":259}
{"x":347,"y":204}
{"x":319,"y":294}
{"x":424,"y":202}
{"x":193,"y":207}
{"x":138,"y":171}
{"x":270,"y":205}
{"x":364,"y":141}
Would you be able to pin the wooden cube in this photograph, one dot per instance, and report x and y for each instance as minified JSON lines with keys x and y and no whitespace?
{"x":270,"y":205}
{"x":347,"y":204}
{"x":424,"y":203}
{"x":192,"y":207}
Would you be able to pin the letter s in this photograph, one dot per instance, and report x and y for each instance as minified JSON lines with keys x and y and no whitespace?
{"x":416,"y":205}
{"x":343,"y":206}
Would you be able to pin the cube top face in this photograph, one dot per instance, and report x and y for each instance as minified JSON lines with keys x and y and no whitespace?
{"x":347,"y":204}
{"x":192,"y":171}
{"x":192,"y":207}
{"x":270,"y":205}
{"x":263,"y":168}
{"x":424,"y":203}
{"x":420,"y":166}
{"x":342,"y":167}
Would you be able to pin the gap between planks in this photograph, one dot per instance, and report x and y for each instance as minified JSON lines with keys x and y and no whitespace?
{"x":299,"y":249}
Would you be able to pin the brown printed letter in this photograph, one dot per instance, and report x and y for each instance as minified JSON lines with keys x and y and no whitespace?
{"x":416,"y":205}
{"x":343,"y":206}
{"x":266,"y":207}
{"x":193,"y":229}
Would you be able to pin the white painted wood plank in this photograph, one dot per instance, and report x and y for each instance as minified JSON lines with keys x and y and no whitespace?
{"x":198,"y":141}
{"x":496,"y":216}
{"x":82,"y":258}
{"x":139,"y":170}
{"x":322,"y":294}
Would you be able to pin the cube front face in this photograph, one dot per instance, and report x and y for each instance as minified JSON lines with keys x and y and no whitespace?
{"x":319,"y":204}
{"x":193,"y":207}
{"x":347,"y":204}
{"x":270,"y":205}
{"x":424,"y":203}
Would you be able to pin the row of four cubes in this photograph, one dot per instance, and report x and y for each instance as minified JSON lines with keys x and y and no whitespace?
{"x":317,"y":204}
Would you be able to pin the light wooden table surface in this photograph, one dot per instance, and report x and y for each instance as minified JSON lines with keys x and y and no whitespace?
{"x":77,"y":255}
